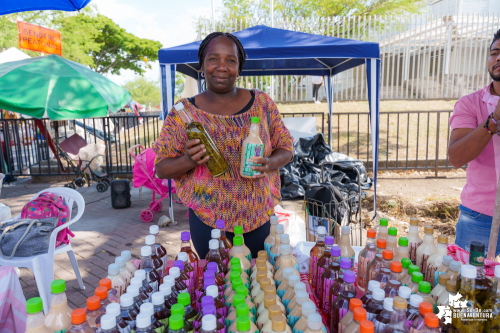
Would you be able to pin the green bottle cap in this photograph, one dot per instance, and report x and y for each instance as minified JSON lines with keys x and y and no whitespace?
{"x":403,"y":241}
{"x":184,"y":299}
{"x":243,"y":323}
{"x":238,"y":241}
{"x":236,"y":268}
{"x":406,"y":262}
{"x":242,"y":309}
{"x":236,"y":282}
{"x":424,"y":287}
{"x":412,"y":268}
{"x":238,"y":230}
{"x":238,"y":299}
{"x":393,"y":231}
{"x":177,"y":309}
{"x":416,"y":277}
{"x":58,"y":286}
{"x":235,"y":260}
{"x":255,"y":120}
{"x":176,"y":322}
{"x":34,"y":305}
{"x":384,"y":222}
{"x":241,"y":290}
{"x":234,"y":274}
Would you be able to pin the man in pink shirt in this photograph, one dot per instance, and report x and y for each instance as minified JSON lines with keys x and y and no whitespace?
{"x":473,"y":125}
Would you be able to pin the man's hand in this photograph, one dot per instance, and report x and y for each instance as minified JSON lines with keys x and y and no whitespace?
{"x":263,"y":169}
{"x":496,"y":115}
{"x":195,"y":152}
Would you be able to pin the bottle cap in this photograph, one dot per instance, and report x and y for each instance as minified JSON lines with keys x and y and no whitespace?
{"x":270,"y":290}
{"x":314,"y":322}
{"x":275,"y":310}
{"x":113,"y":309}
{"x":274,"y":219}
{"x":388,"y":303}
{"x":406,"y":262}
{"x":108,"y":321}
{"x":424,"y":287}
{"x":101,"y":292}
{"x":209,"y":309}
{"x":182,"y":256}
{"x":177,"y":309}
{"x":412,"y":268}
{"x":279,"y":229}
{"x":366,"y":326}
{"x":105,"y":283}
{"x":165,"y":289}
{"x":308,"y":307}
{"x":269,"y":300}
{"x":284,"y":249}
{"x":140,"y":273}
{"x":238,"y":230}
{"x":175,"y":272}
{"x":285,"y":239}
{"x":396,"y":266}
{"x":443,"y":239}
{"x":242,"y":309}
{"x":215,"y":233}
{"x":335,"y":251}
{"x":301,"y":297}
{"x":147,"y":308}
{"x":126,"y":300}
{"x":443,"y":278}
{"x":425,"y":307}
{"x":265,"y":282}
{"x":209,"y":322}
{"x":261,"y":274}
{"x":387,"y":254}
{"x":372,"y":285}
{"x":238,"y":299}
{"x":93,"y":303}
{"x":393,"y":231}
{"x":451,"y":285}
{"x":293,"y":279}
{"x":185,"y":236}
{"x":262,"y":254}
{"x":179,"y":106}
{"x":236,"y":283}
{"x":261,"y":266}
{"x":476,"y":246}
{"x":328,"y":240}
{"x":403,"y":241}
{"x":278,"y":323}
{"x":220,"y":224}
{"x":416,"y":277}
{"x":243,"y":323}
{"x":59,"y":286}
{"x":35,"y":304}
{"x":260,"y":259}
{"x":158,"y":298}
{"x":469,"y":271}
{"x":113,"y":269}
{"x":143,"y":320}
{"x":169,"y":279}
{"x":404,"y":292}
{"x":133,"y":290}
{"x":126,"y":254}
{"x":415,"y":300}
{"x":349,"y":276}
{"x":346,"y":230}
{"x":184,"y":299}
{"x":345,"y":263}
{"x":400,"y":303}
{"x":242,"y":290}
{"x":235,"y":261}
{"x":381,"y":243}
{"x":179,"y":264}
{"x":146,"y":250}
{"x":150,"y":240}
{"x":213,"y":244}
{"x":254,"y":120}
{"x":455,"y":265}
{"x":78,"y":316}
{"x":287,"y":272}
{"x":355,"y":303}
{"x":414,"y":221}
{"x":299,"y":286}
{"x":237,"y":241}
{"x":359,"y":314}
{"x":384,"y":222}
{"x":431,"y":320}
{"x":212,"y":266}
{"x":378,"y":294}
{"x":497,"y":271}
{"x":212,"y":291}
{"x":175,"y":322}
{"x":370,"y":233}
{"x":447,"y":260}
{"x":429,"y":229}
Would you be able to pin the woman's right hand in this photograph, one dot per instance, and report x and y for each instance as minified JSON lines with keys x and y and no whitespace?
{"x":195,"y":152}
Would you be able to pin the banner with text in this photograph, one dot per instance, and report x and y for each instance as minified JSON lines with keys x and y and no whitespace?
{"x":36,"y":38}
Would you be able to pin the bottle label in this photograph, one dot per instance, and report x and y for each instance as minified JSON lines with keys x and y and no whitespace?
{"x":120,"y":290}
{"x":278,"y":282}
{"x":412,"y":251}
{"x":292,"y":320}
{"x":61,"y":331}
{"x":371,"y":316}
{"x":251,"y":150}
{"x":363,"y":265}
{"x":379,"y":326}
{"x":131,"y":324}
{"x":408,"y":324}
{"x":160,"y":329}
{"x":124,"y":329}
{"x":285,"y":302}
{"x":314,"y":270}
{"x":423,"y":265}
{"x":476,"y":258}
{"x":325,"y":305}
{"x":436,"y":277}
{"x":341,"y":328}
{"x":281,"y":293}
{"x":318,"y":280}
{"x":273,"y":257}
{"x":268,"y":247}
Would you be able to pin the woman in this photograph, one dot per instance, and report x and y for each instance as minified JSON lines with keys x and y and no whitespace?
{"x":225,"y":112}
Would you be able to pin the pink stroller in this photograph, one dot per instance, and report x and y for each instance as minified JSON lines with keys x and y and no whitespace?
{"x":144,"y":171}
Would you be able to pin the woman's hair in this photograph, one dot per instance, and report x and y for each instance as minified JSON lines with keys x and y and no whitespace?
{"x":241,"y":51}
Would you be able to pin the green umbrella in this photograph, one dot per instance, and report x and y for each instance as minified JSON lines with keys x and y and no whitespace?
{"x":62,"y":88}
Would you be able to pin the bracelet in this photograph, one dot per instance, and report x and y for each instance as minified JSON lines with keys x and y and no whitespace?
{"x":493,"y":119}
{"x":486,"y":124}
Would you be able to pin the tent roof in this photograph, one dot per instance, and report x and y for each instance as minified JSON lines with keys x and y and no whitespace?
{"x":16,"y":6}
{"x":282,"y":52}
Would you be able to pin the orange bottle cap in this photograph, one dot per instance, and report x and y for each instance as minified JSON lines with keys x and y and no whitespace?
{"x":387,"y":254}
{"x":371,"y":233}
{"x":359,"y":314}
{"x":102,"y":292}
{"x":366,"y":326}
{"x":355,"y":303}
{"x":396,"y":266}
{"x":431,"y":320}
{"x":425,"y":307}
{"x":382,"y":243}
{"x":93,"y":303}
{"x":105,"y":283}
{"x":78,"y":316}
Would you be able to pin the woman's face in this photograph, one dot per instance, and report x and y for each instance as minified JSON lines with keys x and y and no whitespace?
{"x":221,"y":64}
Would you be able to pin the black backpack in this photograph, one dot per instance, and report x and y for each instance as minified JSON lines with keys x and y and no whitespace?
{"x":328,"y":197}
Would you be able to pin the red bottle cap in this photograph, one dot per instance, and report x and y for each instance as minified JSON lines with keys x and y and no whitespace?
{"x":387,"y":254}
{"x":396,"y":266}
{"x":381,"y":243}
{"x":78,"y":316}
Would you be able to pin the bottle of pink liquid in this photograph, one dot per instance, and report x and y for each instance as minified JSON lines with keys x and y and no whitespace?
{"x":192,"y":257}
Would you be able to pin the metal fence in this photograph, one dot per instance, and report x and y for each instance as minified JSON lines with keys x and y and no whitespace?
{"x":426,"y":56}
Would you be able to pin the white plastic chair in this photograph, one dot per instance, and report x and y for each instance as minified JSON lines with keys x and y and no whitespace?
{"x":42,"y":265}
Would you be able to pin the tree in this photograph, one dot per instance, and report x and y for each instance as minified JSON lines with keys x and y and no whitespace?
{"x":144,"y":91}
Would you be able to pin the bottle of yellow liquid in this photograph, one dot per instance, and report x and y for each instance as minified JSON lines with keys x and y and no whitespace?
{"x":252,"y":147}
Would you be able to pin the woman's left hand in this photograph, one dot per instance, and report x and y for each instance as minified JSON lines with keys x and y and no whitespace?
{"x":263,"y":169}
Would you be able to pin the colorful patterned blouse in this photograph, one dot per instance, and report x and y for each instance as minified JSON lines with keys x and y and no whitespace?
{"x":230,"y":197}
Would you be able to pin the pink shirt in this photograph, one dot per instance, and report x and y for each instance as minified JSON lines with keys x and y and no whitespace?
{"x":480,"y":190}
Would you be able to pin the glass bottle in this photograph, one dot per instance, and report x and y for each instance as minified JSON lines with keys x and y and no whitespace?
{"x":493,"y":304}
{"x":382,"y":229}
{"x":35,"y":321}
{"x":238,"y":231}
{"x":94,"y":310}
{"x":314,"y":324}
{"x":406,"y":280}
{"x":271,"y":239}
{"x":131,"y":267}
{"x":425,"y":250}
{"x":59,"y":317}
{"x":179,"y":285}
{"x":402,"y":250}
{"x":397,"y":323}
{"x":178,"y":309}
{"x":189,"y":271}
{"x":424,"y":290}
{"x":436,"y":260}
{"x":418,"y":322}
{"x":483,"y":284}
{"x":128,"y":312}
{"x":392,"y":240}
{"x":285,"y":239}
{"x":384,"y":317}
{"x":431,"y":324}
{"x":222,"y":251}
{"x":392,"y":287}
{"x":414,"y":240}
{"x":307,"y":308}
{"x":112,"y":292}
{"x":440,"y":288}
{"x":192,"y":256}
{"x":315,"y":254}
{"x":365,"y":257}
{"x":468,"y":291}
{"x":416,"y":278}
{"x":279,"y":229}
{"x":176,"y":324}
{"x":328,"y":278}
{"x":349,"y":316}
{"x":346,"y":250}
{"x":286,"y":261}
{"x":413,"y":310}
{"x":358,"y":315}
{"x":160,"y":251}
{"x":368,"y":296}
{"x":117,"y":281}
{"x":340,"y":305}
{"x":150,"y":265}
{"x":78,"y":323}
{"x":221,"y":225}
{"x":376,"y":305}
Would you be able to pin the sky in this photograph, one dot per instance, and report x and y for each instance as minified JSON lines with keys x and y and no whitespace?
{"x":171,"y":22}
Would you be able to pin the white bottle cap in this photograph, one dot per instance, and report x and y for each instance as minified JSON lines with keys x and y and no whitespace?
{"x":212,"y":291}
{"x":213,"y":244}
{"x":175,"y":272}
{"x":346,"y":230}
{"x":404,"y":292}
{"x":126,"y":254}
{"x":284,"y":249}
{"x":469,"y":271}
{"x":126,"y":299}
{"x":287,"y":272}
{"x":215,"y":233}
{"x":387,"y":304}
{"x":179,"y":106}
{"x":108,"y":321}
{"x":314,"y":322}
{"x":113,"y":269}
{"x":209,"y":322}
{"x":497,"y":271}
{"x":165,"y":289}
{"x":285,"y":239}
{"x":372,"y":285}
{"x":140,"y":273}
{"x":293,"y":279}
{"x":154,"y":229}
{"x":447,"y":260}
{"x":133,"y":290}
{"x":415,"y":300}
{"x":146,"y":250}
{"x":274,"y":219}
{"x":158,"y":298}
{"x":299,"y":286}
{"x":147,"y":308}
{"x":301,"y":296}
{"x":321,"y":230}
{"x":169,"y":279}
{"x":378,"y":294}
{"x":113,"y":309}
{"x":120,"y":261}
{"x":455,"y":265}
{"x":150,"y":240}
{"x":182,"y":256}
{"x":308,"y":307}
{"x":143,"y":320}
{"x":279,"y":229}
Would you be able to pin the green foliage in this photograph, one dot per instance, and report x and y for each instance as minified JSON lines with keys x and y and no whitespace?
{"x":144,"y":91}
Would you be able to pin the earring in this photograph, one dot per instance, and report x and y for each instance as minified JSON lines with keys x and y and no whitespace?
{"x":202,"y":74}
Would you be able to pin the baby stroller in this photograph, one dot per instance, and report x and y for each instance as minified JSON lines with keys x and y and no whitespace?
{"x":144,"y":171}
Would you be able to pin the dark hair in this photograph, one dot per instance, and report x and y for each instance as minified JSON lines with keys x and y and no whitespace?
{"x":241,"y":51}
{"x":496,"y":37}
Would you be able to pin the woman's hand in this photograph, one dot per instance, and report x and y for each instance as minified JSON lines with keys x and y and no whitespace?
{"x":263,"y":169}
{"x":195,"y":152}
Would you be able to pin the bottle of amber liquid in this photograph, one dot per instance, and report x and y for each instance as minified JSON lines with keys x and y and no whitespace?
{"x":340,"y":306}
{"x":324,"y":262}
{"x":483,"y":284}
{"x":214,"y":256}
{"x":328,"y":279}
{"x":365,"y":257}
{"x":192,"y":256}
{"x":315,"y":254}
{"x":221,"y":225}
{"x":223,"y":254}
{"x":468,"y":292}
{"x":346,"y":250}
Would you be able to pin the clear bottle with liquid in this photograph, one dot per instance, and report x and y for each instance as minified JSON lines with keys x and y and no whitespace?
{"x":214,"y":255}
{"x":178,"y":309}
{"x":376,"y":306}
{"x":315,"y":254}
{"x":192,"y":256}
{"x":176,"y":324}
{"x":218,"y":300}
{"x":271,"y":239}
{"x":384,"y":317}
{"x":405,"y":263}
{"x":383,"y":275}
{"x":219,"y":280}
{"x":131,"y":267}
{"x":444,"y":268}
{"x":78,"y":323}
{"x":416,"y":278}
{"x":405,"y":292}
{"x":94,"y":310}
{"x":425,"y":250}
{"x":394,"y":282}
{"x":223,"y":254}
{"x":221,"y":225}
{"x":483,"y":284}
{"x":413,"y":310}
{"x":128,"y":312}
{"x":414,"y":240}
{"x":493,"y":304}
{"x":397,"y":322}
{"x":112,"y":292}
{"x":252,"y":147}
{"x":358,"y":315}
{"x":238,"y":231}
{"x":392,"y":240}
{"x":403,"y":250}
{"x":374,"y":267}
{"x":381,"y":245}
{"x":35,"y":320}
{"x":435,"y":261}
{"x":179,"y":285}
{"x":133,"y":290}
{"x":150,"y":265}
{"x":345,"y":265}
{"x":468,"y":292}
{"x":160,"y":251}
{"x":209,"y":324}
{"x":145,"y":290}
{"x":431,"y":322}
{"x":189,"y":271}
{"x":189,"y":312}
{"x":330,"y":269}
{"x":162,"y":313}
{"x":418,"y":322}
{"x":166,"y":289}
{"x":365,"y":257}
{"x":366,"y":326}
{"x":383,"y":231}
{"x":406,"y":279}
{"x":424,"y":290}
{"x":114,"y":322}
{"x":149,"y":309}
{"x":59,"y":316}
{"x":275,"y":249}
{"x":346,"y":250}
{"x":368,"y":296}
{"x":117,"y":281}
{"x":340,"y":306}
{"x":143,"y":323}
{"x":349,"y":316}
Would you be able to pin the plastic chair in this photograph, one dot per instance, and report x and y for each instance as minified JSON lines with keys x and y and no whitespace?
{"x":42,"y":265}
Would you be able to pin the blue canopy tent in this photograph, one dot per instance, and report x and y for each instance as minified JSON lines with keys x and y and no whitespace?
{"x":17,"y":6}
{"x":272,"y":51}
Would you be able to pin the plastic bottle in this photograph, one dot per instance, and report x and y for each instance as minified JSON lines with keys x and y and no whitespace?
{"x":242,"y":310}
{"x":108,"y":324}
{"x":161,"y":252}
{"x":374,"y":267}
{"x":451,"y":290}
{"x":392,"y":241}
{"x":192,"y":257}
{"x":241,"y":290}
{"x":403,"y":250}
{"x":283,"y":287}
{"x":286,"y":261}
{"x":35,"y":321}
{"x":134,"y":292}
{"x":376,"y":305}
{"x":340,"y":306}
{"x":285,"y":239}
{"x":113,"y":309}
{"x":444,"y":268}
{"x":383,"y":275}
{"x":158,"y":264}
{"x":236,"y":282}
{"x":146,"y":287}
{"x":161,"y":312}
{"x":131,"y":267}
{"x":124,"y":273}
{"x":59,"y":316}
{"x":219,"y":280}
{"x":143,"y":295}
{"x":117,"y":281}
{"x":128,"y":312}
{"x":345,"y":265}
{"x":287,"y":297}
{"x":275,"y":250}
{"x":112,"y":292}
{"x":382,"y":229}
{"x":384,"y":317}
{"x":315,"y":254}
{"x":218,"y":300}
{"x":308,"y":308}
{"x":183,"y":275}
{"x":155,"y":324}
{"x":394,"y":282}
{"x":243,"y":325}
{"x":233,"y":312}
{"x":263,"y":258}
{"x":180,"y":286}
{"x":150,"y":266}
{"x":179,"y":309}
{"x":368,"y":296}
{"x":314,"y":324}
{"x":418,"y":323}
{"x":328,"y":279}
{"x":94,"y":310}
{"x":440,"y":288}
{"x":263,"y":313}
{"x":454,"y":270}
{"x":259,"y":273}
{"x":397,"y":323}
{"x":346,"y":250}
{"x":406,"y":280}
{"x":381,"y":245}
{"x":424,"y":290}
{"x":189,"y":312}
{"x":414,"y":240}
{"x":431,"y":324}
{"x":493,"y":304}
{"x":259,"y":298}
{"x":365,"y":257}
{"x":413,"y":310}
{"x":209,"y":324}
{"x":210,"y":310}
{"x":271,"y":239}
{"x":405,"y":263}
{"x":221,"y":225}
{"x":349,"y":316}
{"x":296,"y":311}
{"x":189,"y":271}
{"x":252,"y":147}
{"x":324,"y":263}
{"x":436,"y":260}
{"x":238,"y":251}
{"x":166,"y":289}
{"x":176,"y":324}
{"x":416,"y":277}
{"x":222,"y":251}
{"x":359,"y":314}
{"x":102,"y":293}
{"x":299,"y":286}
{"x":405,"y":292}
{"x":143,"y":323}
{"x":366,"y":326}
{"x":279,"y":325}
{"x":425,"y":250}
{"x":78,"y":323}
{"x":238,"y":231}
